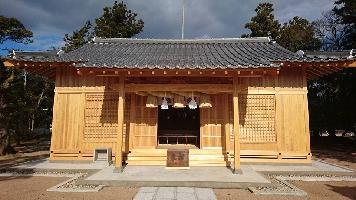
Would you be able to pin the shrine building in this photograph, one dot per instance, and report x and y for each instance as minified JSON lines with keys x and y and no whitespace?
{"x":228,"y":101}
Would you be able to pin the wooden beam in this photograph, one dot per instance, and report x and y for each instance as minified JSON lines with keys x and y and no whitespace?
{"x":120,"y":123}
{"x":8,"y":64}
{"x":179,"y":87}
{"x":352,"y":64}
{"x":187,"y":72}
{"x":333,"y":68}
{"x":317,"y":72}
{"x":312,"y":74}
{"x":236,"y":126}
{"x":227,"y":123}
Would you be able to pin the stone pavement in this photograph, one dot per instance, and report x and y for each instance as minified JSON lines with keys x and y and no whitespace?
{"x":46,"y":164}
{"x":159,"y":176}
{"x":175,"y":193}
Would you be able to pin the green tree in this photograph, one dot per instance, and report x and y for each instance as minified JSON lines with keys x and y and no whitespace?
{"x":118,"y":21}
{"x":346,"y":9}
{"x":332,"y":98}
{"x":263,"y":24}
{"x":78,"y":38}
{"x":331,"y":31}
{"x":298,"y":34}
{"x":10,"y":30}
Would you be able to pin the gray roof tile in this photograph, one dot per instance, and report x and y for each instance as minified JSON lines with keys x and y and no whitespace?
{"x":175,"y":54}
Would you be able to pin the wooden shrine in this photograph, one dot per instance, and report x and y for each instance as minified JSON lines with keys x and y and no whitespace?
{"x":135,"y":96}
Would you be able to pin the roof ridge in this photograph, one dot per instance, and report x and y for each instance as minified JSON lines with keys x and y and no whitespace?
{"x":151,"y":40}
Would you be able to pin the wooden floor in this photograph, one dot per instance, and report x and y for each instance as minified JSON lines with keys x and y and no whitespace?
{"x":177,"y":146}
{"x":211,"y":157}
{"x":197,"y":157}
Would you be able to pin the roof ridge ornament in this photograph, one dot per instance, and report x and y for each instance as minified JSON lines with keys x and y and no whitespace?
{"x":300,"y":53}
{"x":13,"y":55}
{"x":60,"y":52}
{"x":352,"y":54}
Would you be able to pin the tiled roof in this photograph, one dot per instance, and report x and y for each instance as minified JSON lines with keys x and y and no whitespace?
{"x":181,"y":54}
{"x":175,"y":54}
{"x":344,"y":54}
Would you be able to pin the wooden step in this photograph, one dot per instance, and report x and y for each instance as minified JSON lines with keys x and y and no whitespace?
{"x":197,"y":157}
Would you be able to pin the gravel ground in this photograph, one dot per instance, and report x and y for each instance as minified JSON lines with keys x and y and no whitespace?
{"x":339,"y":158}
{"x":28,"y":188}
{"x":316,"y":190}
{"x":18,"y":188}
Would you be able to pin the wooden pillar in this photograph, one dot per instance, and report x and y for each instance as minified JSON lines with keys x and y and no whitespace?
{"x":306,"y":115}
{"x":235,"y":97}
{"x":227,"y":123}
{"x":120,"y":123}
{"x":54,"y":134}
{"x":132,"y":120}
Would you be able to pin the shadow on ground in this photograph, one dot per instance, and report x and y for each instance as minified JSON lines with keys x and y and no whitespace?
{"x":338,"y":150}
{"x":345,"y":191}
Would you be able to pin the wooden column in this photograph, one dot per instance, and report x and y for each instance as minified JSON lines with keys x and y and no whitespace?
{"x":306,"y":113}
{"x":120,"y":123}
{"x":235,"y":97}
{"x":227,"y":123}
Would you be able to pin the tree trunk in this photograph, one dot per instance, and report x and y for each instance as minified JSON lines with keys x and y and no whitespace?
{"x":3,"y":132}
{"x":4,"y":141}
{"x":4,"y":137}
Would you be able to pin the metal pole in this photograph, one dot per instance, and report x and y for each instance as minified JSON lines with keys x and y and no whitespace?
{"x":183,"y":1}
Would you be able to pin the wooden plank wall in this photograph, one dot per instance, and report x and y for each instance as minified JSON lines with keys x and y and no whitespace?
{"x":143,"y":124}
{"x":72,"y":136}
{"x":212,"y":123}
{"x":291,"y":117}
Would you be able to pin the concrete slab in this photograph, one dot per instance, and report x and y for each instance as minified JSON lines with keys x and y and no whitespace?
{"x":175,"y":193}
{"x":217,"y":177}
{"x":186,"y":196}
{"x":316,"y":166}
{"x":45,"y":164}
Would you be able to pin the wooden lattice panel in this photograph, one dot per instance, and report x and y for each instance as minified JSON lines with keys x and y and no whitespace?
{"x":101,"y":117}
{"x":257,"y":118}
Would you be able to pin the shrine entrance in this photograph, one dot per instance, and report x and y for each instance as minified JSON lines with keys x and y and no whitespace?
{"x":178,"y":127}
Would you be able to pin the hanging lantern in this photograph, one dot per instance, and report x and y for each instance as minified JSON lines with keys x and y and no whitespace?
{"x":192,"y":104}
{"x":178,"y":102}
{"x":151,"y":102}
{"x":205,"y":101}
{"x":164,"y":105}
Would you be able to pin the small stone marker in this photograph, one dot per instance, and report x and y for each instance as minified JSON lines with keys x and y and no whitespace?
{"x":178,"y":158}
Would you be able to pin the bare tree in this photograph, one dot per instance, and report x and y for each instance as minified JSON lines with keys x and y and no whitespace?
{"x":330,"y":29}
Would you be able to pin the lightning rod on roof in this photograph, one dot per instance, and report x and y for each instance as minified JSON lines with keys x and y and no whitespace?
{"x":183,"y":4}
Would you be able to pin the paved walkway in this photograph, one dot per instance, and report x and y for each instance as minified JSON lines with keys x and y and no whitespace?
{"x":175,"y":193}
{"x":160,"y":173}
{"x":46,"y":164}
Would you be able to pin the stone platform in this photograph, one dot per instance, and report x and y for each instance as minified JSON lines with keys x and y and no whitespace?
{"x":153,"y":176}
{"x":213,"y":177}
{"x":200,"y":177}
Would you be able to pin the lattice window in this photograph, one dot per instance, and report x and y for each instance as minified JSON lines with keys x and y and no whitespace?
{"x":257,"y":118}
{"x":101,"y":117}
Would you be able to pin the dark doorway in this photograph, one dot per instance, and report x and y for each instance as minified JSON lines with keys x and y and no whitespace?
{"x":178,"y":126}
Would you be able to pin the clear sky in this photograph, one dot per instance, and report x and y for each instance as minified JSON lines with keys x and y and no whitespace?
{"x":51,"y":19}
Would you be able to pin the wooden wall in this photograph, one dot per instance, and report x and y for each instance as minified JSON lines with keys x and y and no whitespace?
{"x":143,"y":124}
{"x":289,"y":93}
{"x":281,"y":101}
{"x":85,"y":115}
{"x":213,"y":123}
